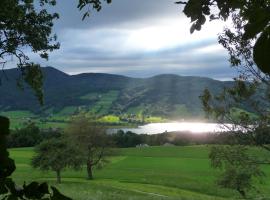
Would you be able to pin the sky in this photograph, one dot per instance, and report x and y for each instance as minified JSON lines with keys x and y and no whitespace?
{"x":137,"y":38}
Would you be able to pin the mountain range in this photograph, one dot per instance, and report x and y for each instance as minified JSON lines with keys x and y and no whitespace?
{"x":165,"y":95}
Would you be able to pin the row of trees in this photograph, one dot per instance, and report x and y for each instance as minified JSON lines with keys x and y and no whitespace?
{"x":30,"y":136}
{"x":123,"y":139}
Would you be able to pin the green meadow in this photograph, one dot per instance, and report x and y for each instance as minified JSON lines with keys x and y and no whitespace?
{"x":20,"y":118}
{"x":173,"y":173}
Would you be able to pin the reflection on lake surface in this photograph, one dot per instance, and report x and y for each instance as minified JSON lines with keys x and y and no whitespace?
{"x":155,"y":128}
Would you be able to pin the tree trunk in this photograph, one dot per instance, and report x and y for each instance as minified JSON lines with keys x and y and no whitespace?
{"x":58,"y":175}
{"x":89,"y":171}
{"x":242,"y":192}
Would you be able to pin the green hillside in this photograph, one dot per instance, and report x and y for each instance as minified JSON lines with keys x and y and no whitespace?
{"x":169,"y":173}
{"x":160,"y":97}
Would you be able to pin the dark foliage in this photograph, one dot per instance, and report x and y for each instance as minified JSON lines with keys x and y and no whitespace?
{"x":8,"y":188}
{"x":128,"y":139}
{"x":123,"y":139}
{"x":251,"y":20}
{"x":30,"y":136}
{"x":22,"y":25}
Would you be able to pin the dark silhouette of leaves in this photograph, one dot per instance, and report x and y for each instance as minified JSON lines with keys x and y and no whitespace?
{"x":261,"y":52}
{"x":57,"y":195}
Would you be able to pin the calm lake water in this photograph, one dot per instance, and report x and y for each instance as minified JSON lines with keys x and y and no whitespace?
{"x":155,"y":128}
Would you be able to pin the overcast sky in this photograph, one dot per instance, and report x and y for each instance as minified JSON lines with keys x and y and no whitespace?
{"x":137,"y":38}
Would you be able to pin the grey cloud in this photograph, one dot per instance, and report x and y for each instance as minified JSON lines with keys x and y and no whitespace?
{"x":179,"y":60}
{"x":120,"y":13}
{"x":86,"y":46}
{"x":105,"y":54}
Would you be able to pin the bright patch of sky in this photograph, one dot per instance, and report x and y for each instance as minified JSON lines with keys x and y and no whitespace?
{"x":138,"y":39}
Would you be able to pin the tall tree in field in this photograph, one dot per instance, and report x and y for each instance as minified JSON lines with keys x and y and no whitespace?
{"x":56,"y":155}
{"x":239,"y":169}
{"x":23,"y":26}
{"x":248,"y":45}
{"x":93,"y":141}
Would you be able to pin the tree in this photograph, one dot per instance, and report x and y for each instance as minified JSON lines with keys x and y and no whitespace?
{"x":126,"y":139}
{"x":24,"y":26}
{"x":239,"y":168}
{"x":93,"y":141}
{"x":56,"y":155}
{"x":17,"y":18}
{"x":247,"y":128}
{"x":28,"y":136}
{"x":8,"y":188}
{"x":251,"y":23}
{"x":248,"y":45}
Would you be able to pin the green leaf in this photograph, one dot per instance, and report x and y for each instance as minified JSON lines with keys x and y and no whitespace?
{"x":10,"y":185}
{"x":43,"y":187}
{"x":261,"y":52}
{"x":3,"y":189}
{"x":194,"y":9}
{"x":35,"y":190}
{"x":32,"y":75}
{"x":201,"y":20}
{"x":258,"y":21}
{"x":192,"y":28}
{"x":12,"y":197}
{"x":13,"y":189}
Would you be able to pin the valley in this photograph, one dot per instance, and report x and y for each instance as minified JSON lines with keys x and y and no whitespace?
{"x":110,"y":99}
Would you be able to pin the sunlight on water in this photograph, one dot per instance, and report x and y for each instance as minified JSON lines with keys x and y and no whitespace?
{"x":193,"y":127}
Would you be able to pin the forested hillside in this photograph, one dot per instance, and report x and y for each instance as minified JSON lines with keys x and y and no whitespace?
{"x":169,"y":96}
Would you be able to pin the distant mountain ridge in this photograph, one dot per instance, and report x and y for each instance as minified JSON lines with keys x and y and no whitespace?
{"x":162,"y":95}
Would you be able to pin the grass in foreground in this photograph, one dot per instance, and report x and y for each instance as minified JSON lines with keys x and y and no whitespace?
{"x":140,"y":173}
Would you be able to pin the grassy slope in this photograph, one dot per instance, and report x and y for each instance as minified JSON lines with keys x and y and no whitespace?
{"x":105,"y":102}
{"x":18,"y":118}
{"x":147,"y":173}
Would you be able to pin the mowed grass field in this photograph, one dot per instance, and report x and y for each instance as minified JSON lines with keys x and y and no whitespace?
{"x":141,"y":174}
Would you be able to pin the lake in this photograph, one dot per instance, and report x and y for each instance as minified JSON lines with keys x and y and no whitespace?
{"x":155,"y":128}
